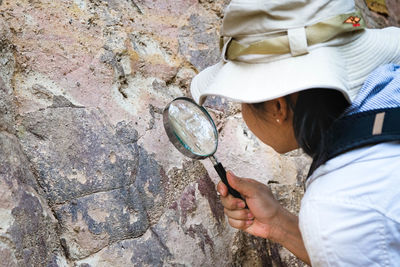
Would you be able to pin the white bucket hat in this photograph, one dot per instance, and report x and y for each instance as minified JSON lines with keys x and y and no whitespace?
{"x":272,"y":48}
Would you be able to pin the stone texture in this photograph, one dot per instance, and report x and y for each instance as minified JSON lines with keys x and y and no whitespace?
{"x":385,"y":18}
{"x":378,"y":6}
{"x":92,"y":222}
{"x":75,"y":152}
{"x":147,"y":250}
{"x":6,"y":108}
{"x":184,"y":227}
{"x":7,"y":61}
{"x":197,"y":34}
{"x":393,"y":7}
{"x":28,"y":234}
{"x":87,"y":174}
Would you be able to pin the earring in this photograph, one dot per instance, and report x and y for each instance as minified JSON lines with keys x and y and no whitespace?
{"x":278,"y":120}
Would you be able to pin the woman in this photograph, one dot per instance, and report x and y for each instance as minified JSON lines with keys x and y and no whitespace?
{"x":309,"y":75}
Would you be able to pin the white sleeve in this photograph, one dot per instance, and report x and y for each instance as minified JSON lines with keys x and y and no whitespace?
{"x":340,"y":233}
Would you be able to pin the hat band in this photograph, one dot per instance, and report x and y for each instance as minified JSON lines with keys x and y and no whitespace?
{"x":314,"y":34}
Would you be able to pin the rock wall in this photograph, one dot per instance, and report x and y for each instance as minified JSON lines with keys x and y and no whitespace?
{"x":87,"y":174}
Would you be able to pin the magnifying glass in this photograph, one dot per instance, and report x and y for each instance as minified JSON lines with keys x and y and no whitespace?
{"x":192,"y":131}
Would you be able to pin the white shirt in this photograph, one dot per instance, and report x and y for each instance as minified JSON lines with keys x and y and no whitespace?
{"x":350,"y":213}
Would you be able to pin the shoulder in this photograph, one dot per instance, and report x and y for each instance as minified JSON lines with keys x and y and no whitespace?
{"x":351,"y":205}
{"x":367,"y":176}
{"x":359,"y":167}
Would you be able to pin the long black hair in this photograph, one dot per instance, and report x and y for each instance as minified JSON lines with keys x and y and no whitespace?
{"x":314,"y":112}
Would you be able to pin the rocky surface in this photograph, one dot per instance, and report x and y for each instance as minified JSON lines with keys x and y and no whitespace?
{"x":380,"y":13}
{"x":28,"y":228}
{"x":87,"y":174}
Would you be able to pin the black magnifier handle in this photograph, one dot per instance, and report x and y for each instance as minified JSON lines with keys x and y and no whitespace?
{"x":222,"y":174}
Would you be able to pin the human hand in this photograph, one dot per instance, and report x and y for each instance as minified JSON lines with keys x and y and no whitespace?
{"x":263,"y":214}
{"x":265,"y":217}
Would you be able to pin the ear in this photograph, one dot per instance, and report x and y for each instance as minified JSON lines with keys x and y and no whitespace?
{"x":280,"y":109}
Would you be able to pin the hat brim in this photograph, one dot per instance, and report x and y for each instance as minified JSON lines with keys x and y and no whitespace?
{"x":342,"y":68}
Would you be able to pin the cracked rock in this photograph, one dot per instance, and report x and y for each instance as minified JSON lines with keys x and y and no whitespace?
{"x":93,"y":222}
{"x":28,"y":234}
{"x":75,"y":152}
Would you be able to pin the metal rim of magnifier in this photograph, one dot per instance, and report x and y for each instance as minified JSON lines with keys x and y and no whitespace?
{"x":176,"y":141}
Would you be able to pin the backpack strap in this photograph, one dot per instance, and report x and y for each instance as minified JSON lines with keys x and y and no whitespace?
{"x":365,"y":128}
{"x":360,"y":129}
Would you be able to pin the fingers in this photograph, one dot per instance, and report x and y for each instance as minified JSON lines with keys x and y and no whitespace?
{"x":244,"y":186}
{"x":239,"y":224}
{"x":243,"y":214}
{"x":222,"y":189}
{"x":231,"y":203}
{"x":228,"y":201}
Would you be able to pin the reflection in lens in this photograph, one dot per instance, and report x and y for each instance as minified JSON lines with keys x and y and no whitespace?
{"x":193,"y":127}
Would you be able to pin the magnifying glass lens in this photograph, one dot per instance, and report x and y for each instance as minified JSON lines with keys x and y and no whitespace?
{"x":192,"y":131}
{"x":193,"y":127}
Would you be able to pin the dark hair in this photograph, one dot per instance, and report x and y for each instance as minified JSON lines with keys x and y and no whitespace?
{"x":314,"y":112}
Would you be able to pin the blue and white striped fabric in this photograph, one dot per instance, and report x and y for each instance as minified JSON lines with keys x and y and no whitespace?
{"x":380,"y":90}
